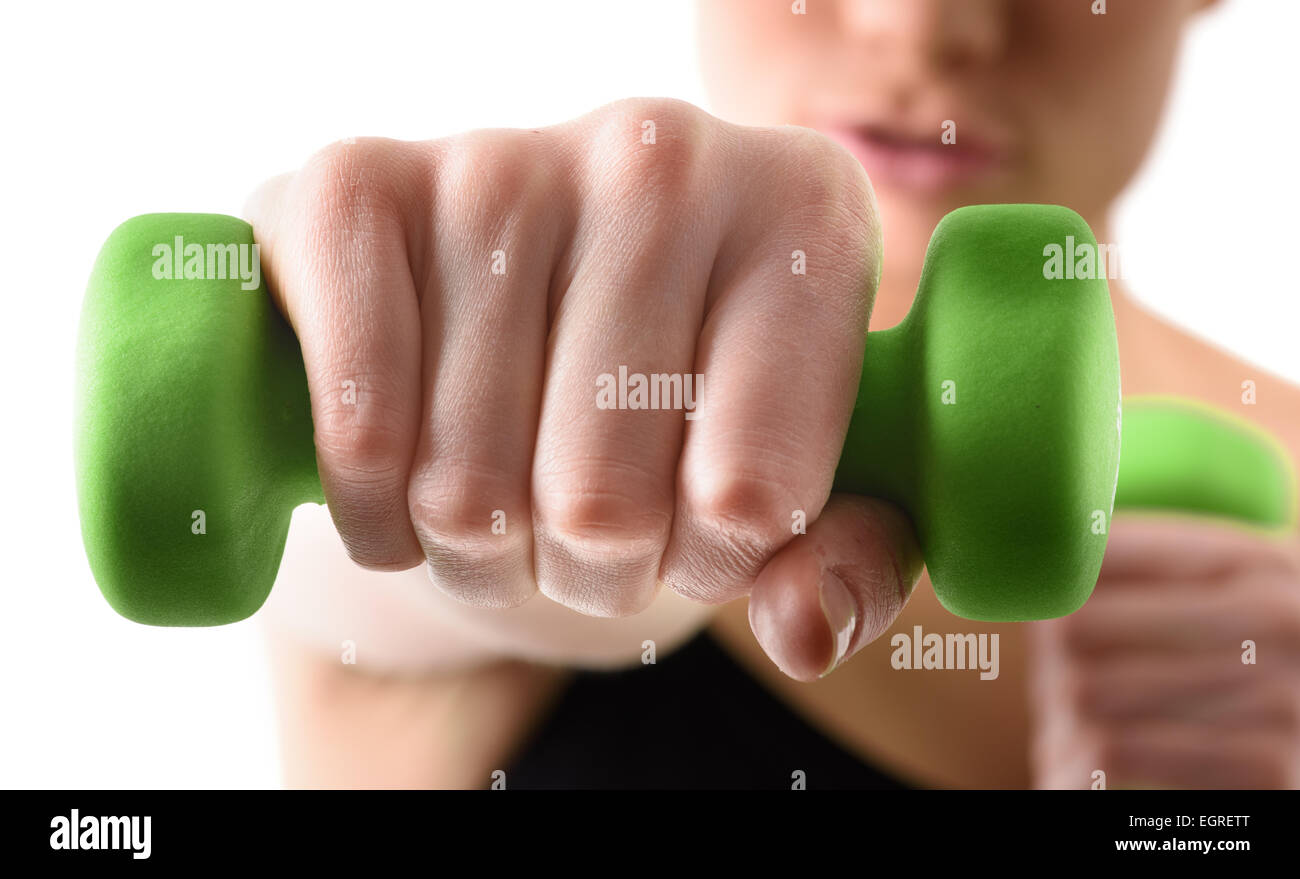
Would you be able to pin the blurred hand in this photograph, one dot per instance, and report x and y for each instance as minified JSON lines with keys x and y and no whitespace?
{"x":458,"y":300}
{"x":1147,"y":682}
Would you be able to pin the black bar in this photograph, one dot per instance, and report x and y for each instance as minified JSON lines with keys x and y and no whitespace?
{"x":629,"y":831}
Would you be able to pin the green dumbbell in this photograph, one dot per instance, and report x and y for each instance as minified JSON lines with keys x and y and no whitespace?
{"x":1183,"y":455}
{"x":991,"y":415}
{"x":194,"y":432}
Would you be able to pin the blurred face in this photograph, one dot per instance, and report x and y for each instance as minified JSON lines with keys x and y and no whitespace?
{"x":1044,"y":100}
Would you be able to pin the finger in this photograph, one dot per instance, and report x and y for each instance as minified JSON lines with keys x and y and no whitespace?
{"x":1215,"y":691}
{"x":1187,"y":618}
{"x":484,"y":310}
{"x":631,"y":298}
{"x":334,"y":248}
{"x":1072,"y":756}
{"x":836,"y":589}
{"x":1182,"y":548}
{"x":1190,"y":756}
{"x":781,"y":356}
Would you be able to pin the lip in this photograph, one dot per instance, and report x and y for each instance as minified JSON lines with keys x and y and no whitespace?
{"x":897,"y":158}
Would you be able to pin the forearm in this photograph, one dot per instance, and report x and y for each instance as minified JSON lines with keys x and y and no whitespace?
{"x":344,"y":728}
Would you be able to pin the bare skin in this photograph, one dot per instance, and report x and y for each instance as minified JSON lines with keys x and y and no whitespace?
{"x":1144,"y":683}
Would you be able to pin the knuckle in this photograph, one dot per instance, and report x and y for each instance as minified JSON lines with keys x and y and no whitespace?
{"x":368,"y":549}
{"x":734,"y":523}
{"x":648,"y":148}
{"x":357,"y":453}
{"x":368,"y":514}
{"x":810,"y":168}
{"x":821,"y":202}
{"x":485,"y":178}
{"x":738,"y":506}
{"x":826,"y":185}
{"x":453,"y":512}
{"x":348,"y":180}
{"x":348,"y":197}
{"x":632,"y":524}
{"x":468,"y":558}
{"x":851,"y":186}
{"x":820,"y":172}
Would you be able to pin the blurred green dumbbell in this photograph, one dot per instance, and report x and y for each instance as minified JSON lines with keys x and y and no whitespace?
{"x":991,"y":414}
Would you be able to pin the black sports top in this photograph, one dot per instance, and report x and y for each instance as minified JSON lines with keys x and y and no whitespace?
{"x":694,"y":720}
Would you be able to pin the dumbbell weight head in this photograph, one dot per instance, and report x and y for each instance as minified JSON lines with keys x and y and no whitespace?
{"x":1183,"y":455}
{"x":991,"y":415}
{"x":194,"y":432}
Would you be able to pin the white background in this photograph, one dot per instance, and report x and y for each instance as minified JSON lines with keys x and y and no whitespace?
{"x":170,"y":107}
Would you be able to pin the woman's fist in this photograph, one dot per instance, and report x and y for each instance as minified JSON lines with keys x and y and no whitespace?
{"x":476,"y":312}
{"x":1182,"y":670}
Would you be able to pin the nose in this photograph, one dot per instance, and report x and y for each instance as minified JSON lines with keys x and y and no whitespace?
{"x":941,"y":35}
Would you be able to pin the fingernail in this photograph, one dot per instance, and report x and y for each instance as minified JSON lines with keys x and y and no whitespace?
{"x":841,"y":615}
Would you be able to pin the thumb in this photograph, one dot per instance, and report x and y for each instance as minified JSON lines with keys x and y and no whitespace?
{"x":830,"y":592}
